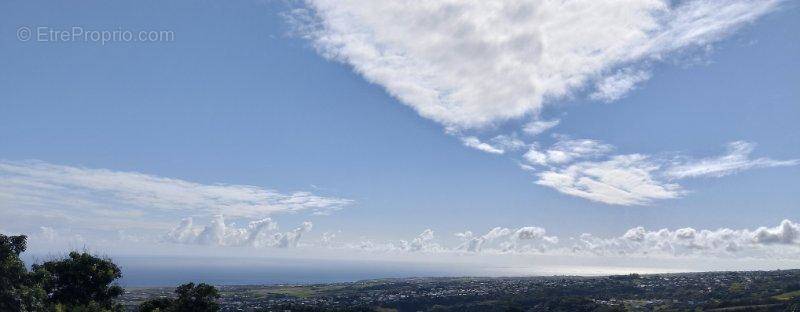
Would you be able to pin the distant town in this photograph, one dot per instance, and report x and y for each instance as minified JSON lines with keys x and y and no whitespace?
{"x":712,"y":291}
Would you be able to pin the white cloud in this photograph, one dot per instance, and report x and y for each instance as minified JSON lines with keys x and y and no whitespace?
{"x":327,"y":238}
{"x":616,"y":86}
{"x":781,"y":241}
{"x":474,"y":243}
{"x":260,"y":233}
{"x":587,"y":169}
{"x":621,"y":180}
{"x":76,"y":194}
{"x":737,"y":159}
{"x":292,"y":238}
{"x":472,"y":63}
{"x":423,"y":242}
{"x":508,"y":142}
{"x":763,"y":242}
{"x":507,"y":240}
{"x":567,"y":150}
{"x":786,"y":233}
{"x":537,"y":127}
{"x":476,"y":143}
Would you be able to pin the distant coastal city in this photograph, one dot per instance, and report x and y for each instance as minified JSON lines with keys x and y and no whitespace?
{"x":712,"y":291}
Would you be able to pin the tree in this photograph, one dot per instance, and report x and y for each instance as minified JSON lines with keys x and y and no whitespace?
{"x":19,"y":290}
{"x":81,"y":281}
{"x":191,"y":298}
{"x":200,"y":298}
{"x":157,"y":305}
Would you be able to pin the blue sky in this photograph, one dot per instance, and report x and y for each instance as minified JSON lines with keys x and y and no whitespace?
{"x":371,"y":118}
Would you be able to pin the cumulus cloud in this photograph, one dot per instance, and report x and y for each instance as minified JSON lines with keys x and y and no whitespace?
{"x":762,"y":242}
{"x":78,"y":194}
{"x":507,"y":240}
{"x":781,"y":241}
{"x":423,"y":242}
{"x":327,"y":238}
{"x":471,"y":63}
{"x":737,"y":159}
{"x":259,"y":233}
{"x":786,"y":233}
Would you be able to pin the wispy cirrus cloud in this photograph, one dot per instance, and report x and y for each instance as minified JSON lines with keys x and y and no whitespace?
{"x":474,"y":142}
{"x":588,"y":169}
{"x":616,"y":86}
{"x":537,"y":127}
{"x":737,"y":159}
{"x":74,"y":194}
{"x":566,"y":150}
{"x":620,"y":180}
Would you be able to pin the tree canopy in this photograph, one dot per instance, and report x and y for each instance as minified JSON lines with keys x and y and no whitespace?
{"x":78,"y":282}
{"x":18,"y":289}
{"x":190,"y":298}
{"x":80,"y":279}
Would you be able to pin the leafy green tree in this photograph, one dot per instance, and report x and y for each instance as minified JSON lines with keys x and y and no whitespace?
{"x":80,"y":282}
{"x":190,"y":298}
{"x":199,"y":298}
{"x":19,"y":290}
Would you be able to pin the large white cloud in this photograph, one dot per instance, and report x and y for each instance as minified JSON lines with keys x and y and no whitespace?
{"x":470,"y":63}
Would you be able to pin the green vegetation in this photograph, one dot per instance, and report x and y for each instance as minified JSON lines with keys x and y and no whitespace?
{"x":298,"y":291}
{"x":190,"y":298}
{"x":788,"y":296}
{"x":19,"y":289}
{"x":81,"y":282}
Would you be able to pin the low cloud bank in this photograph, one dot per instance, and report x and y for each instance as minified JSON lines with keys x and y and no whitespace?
{"x":260,"y":233}
{"x":782,"y":240}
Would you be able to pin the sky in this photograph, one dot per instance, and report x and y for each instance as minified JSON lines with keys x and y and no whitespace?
{"x":642,"y":135}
